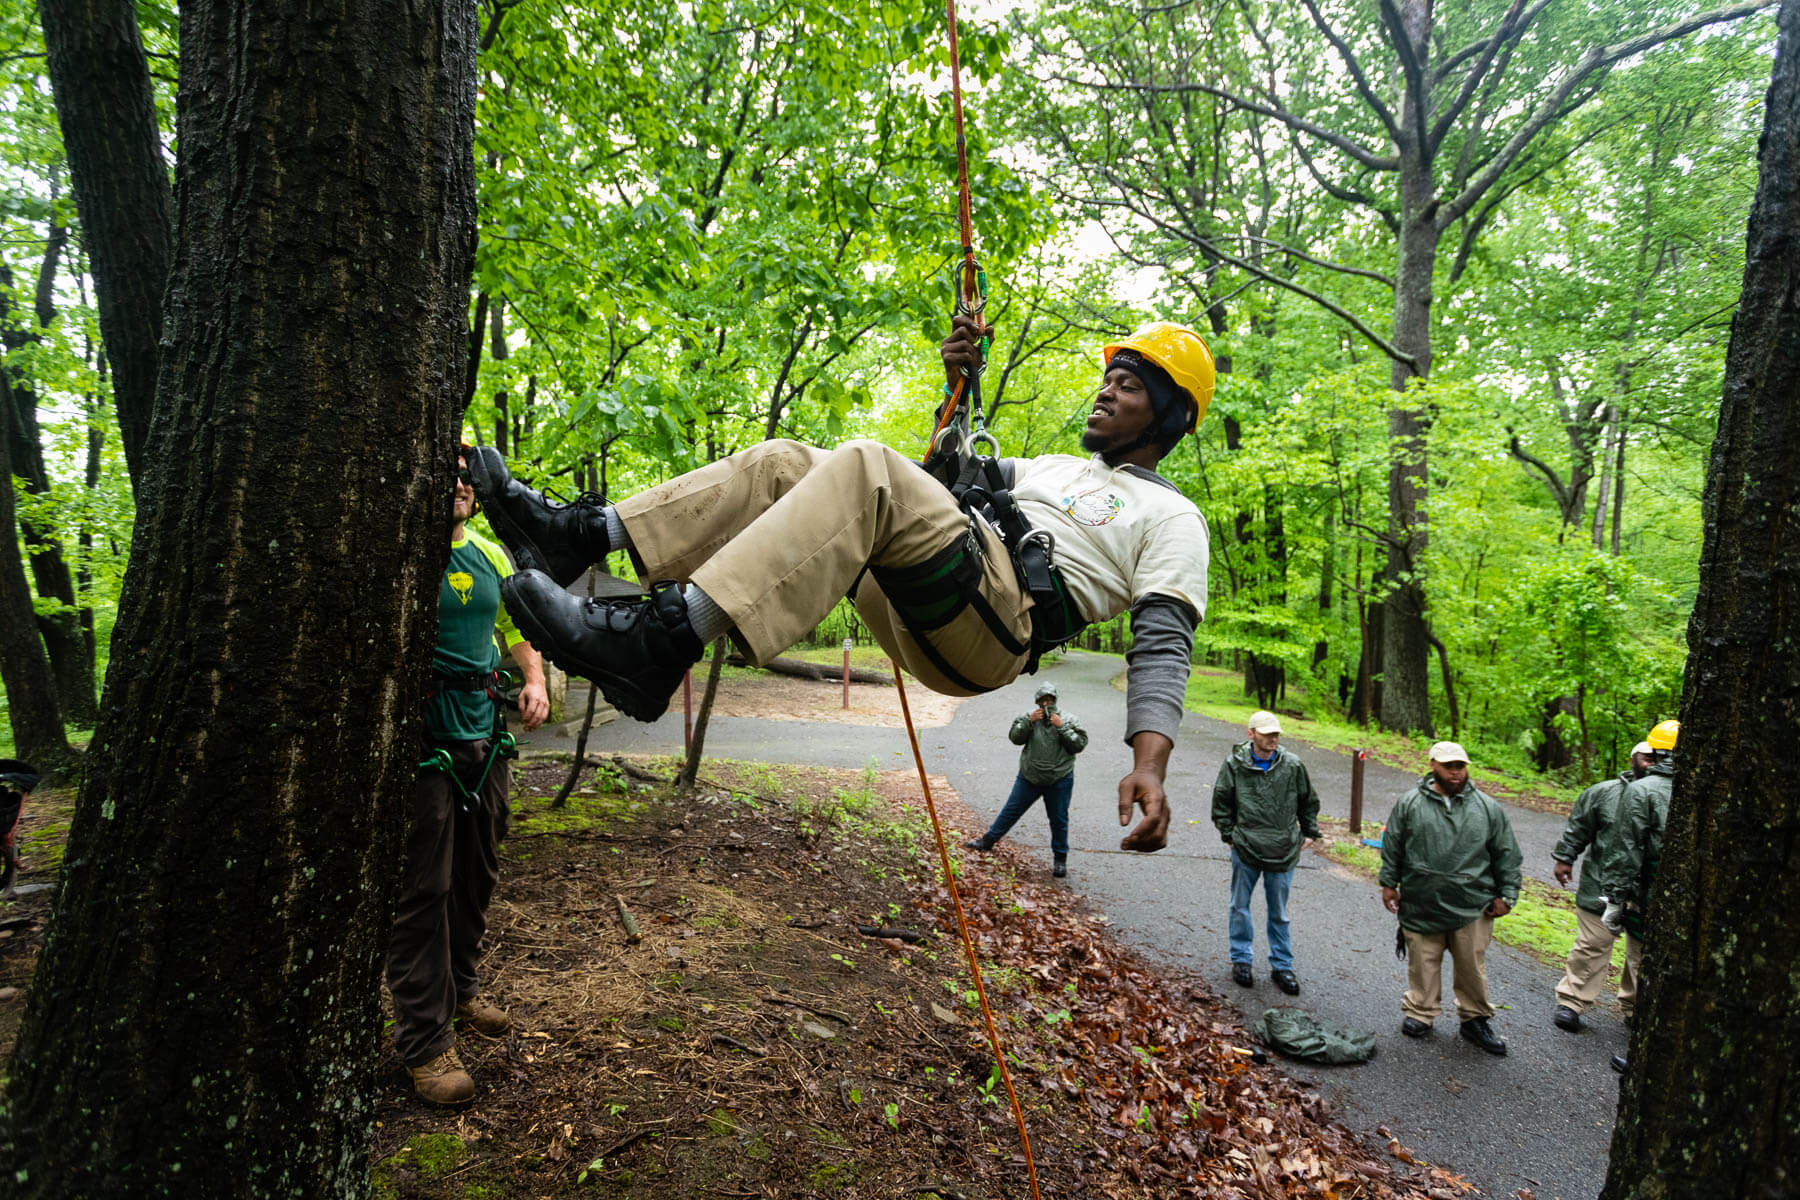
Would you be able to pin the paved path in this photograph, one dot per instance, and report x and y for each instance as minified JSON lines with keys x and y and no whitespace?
{"x":1541,"y":1118}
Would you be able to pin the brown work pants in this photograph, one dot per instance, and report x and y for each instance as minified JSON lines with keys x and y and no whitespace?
{"x":1589,"y":958}
{"x":451,"y":869}
{"x":776,"y":534}
{"x":1424,"y":965}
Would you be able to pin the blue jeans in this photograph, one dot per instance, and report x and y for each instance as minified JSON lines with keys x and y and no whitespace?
{"x":1275,"y":894}
{"x":1056,"y":807}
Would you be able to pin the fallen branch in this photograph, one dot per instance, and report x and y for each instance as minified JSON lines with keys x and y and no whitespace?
{"x":801,"y":669}
{"x":897,"y":932}
{"x":632,"y":936}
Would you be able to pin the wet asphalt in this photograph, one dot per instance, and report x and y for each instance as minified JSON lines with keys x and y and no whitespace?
{"x":1539,"y":1118}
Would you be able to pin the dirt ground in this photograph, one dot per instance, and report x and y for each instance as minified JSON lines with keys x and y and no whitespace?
{"x":784,"y":698}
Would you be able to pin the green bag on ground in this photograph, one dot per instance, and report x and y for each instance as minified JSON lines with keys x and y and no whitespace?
{"x":1299,"y":1034}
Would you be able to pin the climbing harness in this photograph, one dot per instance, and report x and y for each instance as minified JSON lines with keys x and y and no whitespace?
{"x":935,"y":591}
{"x":501,"y":745}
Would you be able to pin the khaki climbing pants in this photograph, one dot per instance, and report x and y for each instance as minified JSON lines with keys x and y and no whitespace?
{"x":1589,"y":958}
{"x":776,"y":534}
{"x":1424,"y":965}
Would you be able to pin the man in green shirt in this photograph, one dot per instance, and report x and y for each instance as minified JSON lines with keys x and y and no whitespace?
{"x":1590,"y":822}
{"x":459,"y":815}
{"x":1632,"y":849}
{"x":1449,"y":866}
{"x":1051,"y":740}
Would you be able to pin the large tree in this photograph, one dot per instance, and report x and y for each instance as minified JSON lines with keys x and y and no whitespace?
{"x":1708,"y":1108}
{"x":205,"y":1015}
{"x":101,"y":81}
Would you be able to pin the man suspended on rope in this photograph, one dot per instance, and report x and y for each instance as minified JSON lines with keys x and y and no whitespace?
{"x":964,"y":590}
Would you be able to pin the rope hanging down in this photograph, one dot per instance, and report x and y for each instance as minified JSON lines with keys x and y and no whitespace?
{"x":953,"y":426}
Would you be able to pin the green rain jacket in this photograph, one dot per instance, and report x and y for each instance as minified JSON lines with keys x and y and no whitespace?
{"x":1594,"y":812}
{"x":1632,"y":848}
{"x":1449,"y":856}
{"x":1265,"y":815}
{"x":1049,"y":752}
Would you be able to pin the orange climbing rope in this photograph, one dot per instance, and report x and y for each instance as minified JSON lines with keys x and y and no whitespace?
{"x":970,"y":298}
{"x":971,"y":282}
{"x":962,"y":928}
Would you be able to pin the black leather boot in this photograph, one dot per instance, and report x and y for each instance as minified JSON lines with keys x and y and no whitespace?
{"x":561,"y":540}
{"x":635,"y":651}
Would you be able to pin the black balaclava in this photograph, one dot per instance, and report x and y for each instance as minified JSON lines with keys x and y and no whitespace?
{"x":1169,"y":421}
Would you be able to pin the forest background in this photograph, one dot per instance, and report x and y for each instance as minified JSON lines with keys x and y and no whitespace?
{"x":1470,"y":307}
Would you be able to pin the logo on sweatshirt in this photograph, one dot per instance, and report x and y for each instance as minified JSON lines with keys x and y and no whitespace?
{"x":1097,"y":507}
{"x":462,"y":583}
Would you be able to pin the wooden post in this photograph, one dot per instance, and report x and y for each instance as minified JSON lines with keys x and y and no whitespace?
{"x":1356,"y":789}
{"x":847,"y":644}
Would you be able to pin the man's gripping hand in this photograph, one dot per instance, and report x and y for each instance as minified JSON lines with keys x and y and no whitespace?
{"x":1141,"y":788}
{"x":534,"y":705}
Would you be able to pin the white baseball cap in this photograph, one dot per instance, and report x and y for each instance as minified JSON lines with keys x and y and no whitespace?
{"x":1264,"y":722}
{"x":1449,"y":752}
{"x":1644,"y":748}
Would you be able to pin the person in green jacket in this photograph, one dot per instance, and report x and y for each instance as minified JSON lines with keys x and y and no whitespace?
{"x":1592,"y":818}
{"x":1265,"y":808}
{"x":1449,"y":866}
{"x":1631,"y":852}
{"x":1051,"y":740}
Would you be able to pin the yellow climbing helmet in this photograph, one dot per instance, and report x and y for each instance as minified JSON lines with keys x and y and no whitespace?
{"x":1664,"y":735}
{"x":1179,"y":351}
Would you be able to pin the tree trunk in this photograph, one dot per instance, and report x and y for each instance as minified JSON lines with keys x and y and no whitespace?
{"x":204,"y":1017}
{"x":1405,"y":651}
{"x":32,"y":708}
{"x":101,"y":82}
{"x":71,"y":660}
{"x":1618,"y":504}
{"x":1708,"y":1108}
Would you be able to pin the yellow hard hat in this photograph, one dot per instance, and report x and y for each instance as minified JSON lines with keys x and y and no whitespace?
{"x":1663,"y":736}
{"x":1179,"y":351}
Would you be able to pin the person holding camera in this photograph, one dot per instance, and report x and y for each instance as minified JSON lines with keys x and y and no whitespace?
{"x":1051,"y":740}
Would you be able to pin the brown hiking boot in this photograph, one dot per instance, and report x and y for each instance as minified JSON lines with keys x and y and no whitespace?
{"x":443,"y":1080}
{"x":479,"y":1014}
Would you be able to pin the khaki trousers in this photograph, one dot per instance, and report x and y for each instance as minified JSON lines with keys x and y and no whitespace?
{"x":1424,"y":965}
{"x":776,"y":534}
{"x":452,"y":866}
{"x":1589,"y":958}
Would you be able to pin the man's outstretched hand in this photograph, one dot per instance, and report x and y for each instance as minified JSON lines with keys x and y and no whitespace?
{"x":1144,"y":789}
{"x":962,"y":348}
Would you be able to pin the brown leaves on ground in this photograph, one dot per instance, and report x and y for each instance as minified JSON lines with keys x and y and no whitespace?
{"x":754,"y":1044}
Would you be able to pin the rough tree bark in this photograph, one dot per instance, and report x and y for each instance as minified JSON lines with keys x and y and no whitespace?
{"x":101,"y":82}
{"x":1709,"y":1108}
{"x":204,"y":1017}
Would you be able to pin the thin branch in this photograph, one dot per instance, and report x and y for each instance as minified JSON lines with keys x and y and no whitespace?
{"x":1511,"y":28}
{"x":1368,"y":158}
{"x":1551,"y":107}
{"x":1377,"y":276}
{"x":1355,"y":69}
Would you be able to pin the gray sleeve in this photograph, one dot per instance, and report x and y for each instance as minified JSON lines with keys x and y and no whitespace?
{"x":1156,"y":672}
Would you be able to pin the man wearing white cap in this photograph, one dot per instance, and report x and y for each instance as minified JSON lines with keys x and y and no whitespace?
{"x":1449,"y":866}
{"x":1596,"y":809}
{"x":1265,"y":808}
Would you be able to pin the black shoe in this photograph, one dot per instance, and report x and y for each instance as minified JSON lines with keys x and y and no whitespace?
{"x":1414,"y":1029}
{"x":1061,"y":869}
{"x":981,"y":844}
{"x":561,"y":540}
{"x":636,"y":651}
{"x":1567,"y":1018}
{"x":1620,"y":1063}
{"x":1482,"y":1034}
{"x":1286,"y":982}
{"x":1240,"y":975}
